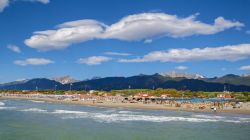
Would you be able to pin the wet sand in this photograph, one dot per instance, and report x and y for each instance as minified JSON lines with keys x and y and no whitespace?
{"x":245,"y":109}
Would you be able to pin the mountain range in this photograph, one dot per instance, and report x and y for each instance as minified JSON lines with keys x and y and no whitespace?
{"x":175,"y":80}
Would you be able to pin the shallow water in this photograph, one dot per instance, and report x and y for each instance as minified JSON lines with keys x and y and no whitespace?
{"x":31,"y":120}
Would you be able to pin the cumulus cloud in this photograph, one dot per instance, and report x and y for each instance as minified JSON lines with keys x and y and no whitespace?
{"x":33,"y":61}
{"x":151,"y":25}
{"x":5,"y":3}
{"x":144,"y":26}
{"x":228,"y":53}
{"x":94,"y":60}
{"x":245,"y":67}
{"x":66,"y":34}
{"x":181,"y":67}
{"x":14,"y":48}
{"x":117,"y":53}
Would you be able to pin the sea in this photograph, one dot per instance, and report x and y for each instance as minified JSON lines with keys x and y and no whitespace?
{"x":39,"y":120}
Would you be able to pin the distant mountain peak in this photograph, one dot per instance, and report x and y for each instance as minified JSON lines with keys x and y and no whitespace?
{"x":246,"y":75}
{"x":64,"y":79}
{"x":174,"y":74}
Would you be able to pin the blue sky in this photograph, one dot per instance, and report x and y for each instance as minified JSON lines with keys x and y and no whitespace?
{"x":83,"y":39}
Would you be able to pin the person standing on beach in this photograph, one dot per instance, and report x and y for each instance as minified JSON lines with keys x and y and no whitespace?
{"x":215,"y":109}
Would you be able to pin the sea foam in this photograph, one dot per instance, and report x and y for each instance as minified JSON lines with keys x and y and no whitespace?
{"x":2,"y":104}
{"x":208,"y":116}
{"x":7,"y":108}
{"x":34,"y":110}
{"x":126,"y":112}
{"x":34,"y":101}
{"x":68,"y":112}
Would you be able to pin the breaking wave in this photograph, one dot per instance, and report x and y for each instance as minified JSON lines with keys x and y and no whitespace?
{"x":68,"y":112}
{"x":34,"y":110}
{"x":2,"y":104}
{"x":7,"y":108}
{"x":34,"y":101}
{"x":150,"y":118}
{"x":125,"y":112}
{"x":122,"y":116}
{"x":208,"y":116}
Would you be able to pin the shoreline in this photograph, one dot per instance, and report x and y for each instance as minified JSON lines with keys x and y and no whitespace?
{"x":133,"y":105}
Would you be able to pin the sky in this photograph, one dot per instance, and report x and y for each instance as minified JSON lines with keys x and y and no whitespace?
{"x":96,"y":38}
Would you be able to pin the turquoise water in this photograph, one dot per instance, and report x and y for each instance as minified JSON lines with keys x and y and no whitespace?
{"x":32,"y":120}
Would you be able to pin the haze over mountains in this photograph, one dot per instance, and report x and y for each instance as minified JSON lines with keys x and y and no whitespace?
{"x":179,"y":81}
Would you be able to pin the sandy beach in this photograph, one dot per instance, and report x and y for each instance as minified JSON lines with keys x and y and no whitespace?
{"x":244,"y":109}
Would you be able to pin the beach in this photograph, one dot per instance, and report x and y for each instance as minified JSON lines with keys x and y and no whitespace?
{"x":244,"y":109}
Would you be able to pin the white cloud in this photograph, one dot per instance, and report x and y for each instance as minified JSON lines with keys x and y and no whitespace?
{"x":148,"y":41}
{"x":41,"y":1}
{"x":67,"y":34}
{"x":94,"y":60}
{"x":20,"y":79}
{"x":228,"y":53}
{"x":145,"y":26}
{"x":33,"y":61}
{"x":14,"y":48}
{"x":117,"y":53}
{"x":181,"y":67}
{"x":245,"y":67}
{"x":151,"y":25}
{"x":3,"y":4}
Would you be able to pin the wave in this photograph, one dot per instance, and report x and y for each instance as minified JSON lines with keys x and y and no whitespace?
{"x":68,"y":112}
{"x":225,"y":119}
{"x":244,"y":119}
{"x":127,"y":112}
{"x":110,"y":110}
{"x":2,"y":104}
{"x":7,"y":108}
{"x":127,"y":117}
{"x":122,"y":116}
{"x":34,"y":110}
{"x":208,"y":116}
{"x":34,"y":101}
{"x":121,"y":111}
